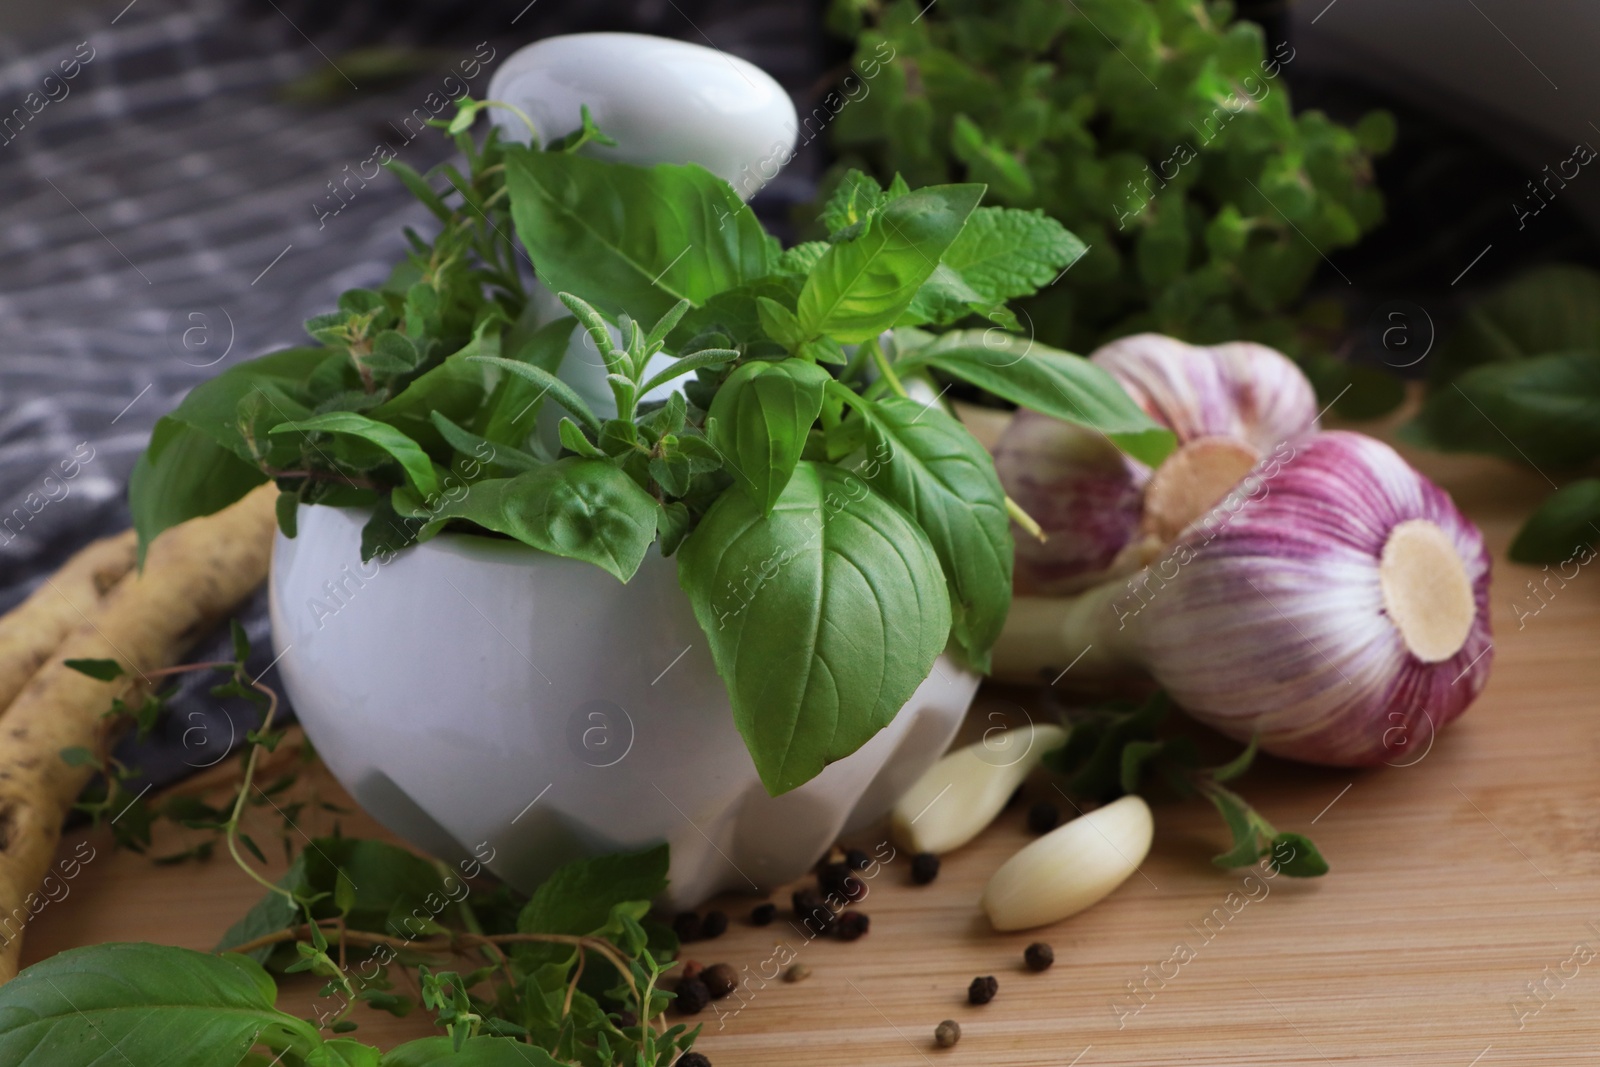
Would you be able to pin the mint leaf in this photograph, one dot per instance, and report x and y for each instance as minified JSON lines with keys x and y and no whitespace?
{"x":854,"y":199}
{"x":585,"y":509}
{"x":578,"y":898}
{"x":1000,"y":254}
{"x":759,"y":421}
{"x":927,"y":463}
{"x":150,"y":1003}
{"x":823,"y":617}
{"x":405,"y":451}
{"x":102,"y":670}
{"x":1042,"y":378}
{"x":860,"y":287}
{"x":633,"y":239}
{"x":1564,"y":527}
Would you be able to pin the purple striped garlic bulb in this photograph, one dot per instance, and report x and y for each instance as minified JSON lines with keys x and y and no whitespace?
{"x":1335,"y":604}
{"x":1105,"y":514}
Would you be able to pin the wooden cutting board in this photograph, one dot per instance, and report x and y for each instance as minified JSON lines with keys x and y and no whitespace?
{"x":1457,"y":882}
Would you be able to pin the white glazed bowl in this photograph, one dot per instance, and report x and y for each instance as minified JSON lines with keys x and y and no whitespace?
{"x":475,"y":694}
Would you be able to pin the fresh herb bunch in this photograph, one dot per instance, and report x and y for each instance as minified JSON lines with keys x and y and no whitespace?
{"x":1114,"y":751}
{"x":825,"y":525}
{"x":1158,"y":131}
{"x":1520,"y":379}
{"x":571,"y":976}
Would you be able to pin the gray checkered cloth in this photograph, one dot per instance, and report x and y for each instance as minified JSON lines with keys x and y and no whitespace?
{"x":167,"y":215}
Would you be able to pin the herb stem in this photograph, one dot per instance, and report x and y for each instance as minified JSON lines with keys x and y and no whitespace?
{"x":1024,"y":520}
{"x":885,"y":369}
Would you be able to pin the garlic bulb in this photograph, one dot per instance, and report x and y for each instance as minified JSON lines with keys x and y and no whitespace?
{"x":1335,"y":602}
{"x":1071,"y":867}
{"x":1105,"y":514}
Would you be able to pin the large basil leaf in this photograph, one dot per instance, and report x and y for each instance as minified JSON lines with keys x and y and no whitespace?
{"x":183,"y":474}
{"x":585,"y":509}
{"x":1548,"y":309}
{"x":1045,"y":379}
{"x":143,"y":1004}
{"x":274,"y":383}
{"x":633,"y":239}
{"x":402,"y":449}
{"x":861,"y":286}
{"x":1544,"y":410}
{"x":1565,"y":526}
{"x":760,"y":419}
{"x":823,"y":617}
{"x":926,"y":462}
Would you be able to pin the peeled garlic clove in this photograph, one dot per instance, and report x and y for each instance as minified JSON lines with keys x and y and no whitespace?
{"x":964,"y":791}
{"x":1071,"y":867}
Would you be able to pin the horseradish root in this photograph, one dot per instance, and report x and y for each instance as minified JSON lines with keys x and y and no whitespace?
{"x":1335,"y":604}
{"x":962,"y":793}
{"x":1070,"y":868}
{"x":31,"y":632}
{"x":194,"y":575}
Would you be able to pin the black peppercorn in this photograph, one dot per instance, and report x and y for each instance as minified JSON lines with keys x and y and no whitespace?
{"x":1043,"y":817}
{"x":924,"y":867}
{"x":982,"y":990}
{"x":1039,"y":956}
{"x":693,"y":996}
{"x":852,"y":924}
{"x":693,"y":1059}
{"x":812,"y":911}
{"x":763,"y":914}
{"x":857,"y":859}
{"x":720,"y":980}
{"x":836,"y":881}
{"x":715,"y":924}
{"x":687,"y":927}
{"x":945,"y":1035}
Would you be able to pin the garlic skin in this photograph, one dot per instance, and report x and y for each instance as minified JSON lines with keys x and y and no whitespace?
{"x":1105,"y":514}
{"x":1342,"y":610}
{"x":961,"y":794}
{"x":1070,"y":868}
{"x":1239,"y":390}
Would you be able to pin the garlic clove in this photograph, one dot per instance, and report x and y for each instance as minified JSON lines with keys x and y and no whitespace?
{"x":1070,"y":868}
{"x":962,"y":793}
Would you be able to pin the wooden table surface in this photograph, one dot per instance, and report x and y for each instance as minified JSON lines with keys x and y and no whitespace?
{"x":1458,"y":884}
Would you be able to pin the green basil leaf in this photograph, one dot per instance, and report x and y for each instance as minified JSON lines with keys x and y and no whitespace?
{"x":1543,"y":410}
{"x":762,"y":413}
{"x":823,"y":617}
{"x":1045,"y":379}
{"x":344,"y":1052}
{"x":405,"y":451}
{"x":578,"y":898}
{"x":476,"y":1052}
{"x":183,"y":474}
{"x":139,"y":1003}
{"x":926,"y":462}
{"x":585,"y":509}
{"x":277,"y":381}
{"x":470,"y":444}
{"x":859,"y":288}
{"x":1564,"y":528}
{"x":633,"y":239}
